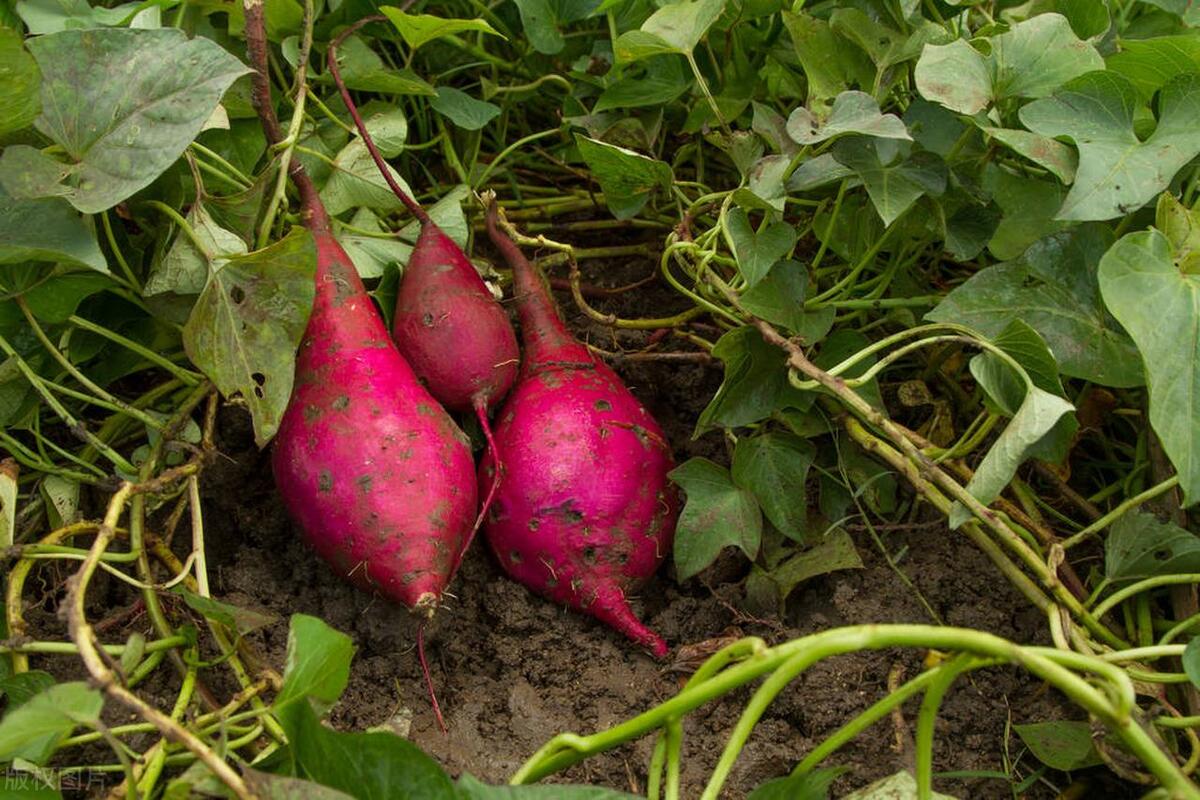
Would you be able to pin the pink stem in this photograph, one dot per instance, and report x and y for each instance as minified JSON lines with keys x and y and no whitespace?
{"x":331,"y":60}
{"x":433,"y":701}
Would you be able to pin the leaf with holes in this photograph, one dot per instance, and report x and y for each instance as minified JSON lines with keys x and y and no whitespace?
{"x":124,"y":104}
{"x":246,"y":326}
{"x":1140,"y":546}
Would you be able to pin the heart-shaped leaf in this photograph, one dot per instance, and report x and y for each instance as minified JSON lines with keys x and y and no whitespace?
{"x":1118,"y":173}
{"x":124,"y":103}
{"x":757,"y":251}
{"x":1160,"y":307}
{"x":717,"y":515}
{"x":853,"y":112}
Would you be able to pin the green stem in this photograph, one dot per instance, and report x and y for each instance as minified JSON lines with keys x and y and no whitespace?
{"x":186,"y":376}
{"x":1126,"y":505}
{"x":66,"y":416}
{"x":1135,"y":589}
{"x":112,"y":245}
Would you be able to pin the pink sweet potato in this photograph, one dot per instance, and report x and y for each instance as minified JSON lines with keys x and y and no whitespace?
{"x":585,"y":514}
{"x":376,"y":474}
{"x":446,"y":323}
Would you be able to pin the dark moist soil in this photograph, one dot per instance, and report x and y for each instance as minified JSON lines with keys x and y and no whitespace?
{"x":513,"y":670}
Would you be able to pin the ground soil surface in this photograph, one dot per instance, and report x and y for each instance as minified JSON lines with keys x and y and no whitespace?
{"x":513,"y":670}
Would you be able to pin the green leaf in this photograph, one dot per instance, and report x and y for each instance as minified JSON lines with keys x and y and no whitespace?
{"x":893,"y":182}
{"x":28,"y":174}
{"x":1160,"y":307}
{"x":1054,"y":290}
{"x":22,"y":687}
{"x":61,"y":496}
{"x":1184,"y":9}
{"x":19,"y":80}
{"x":675,"y":28}
{"x":542,"y":20}
{"x":807,"y":786}
{"x":470,"y":788}
{"x":1118,"y":173}
{"x":755,"y":383}
{"x":185,"y":268}
{"x":55,"y":300}
{"x":419,"y":29}
{"x":831,"y":64}
{"x":235,"y":618}
{"x":757,"y":252}
{"x":1191,"y":660}
{"x":853,"y":112}
{"x":280,"y":787}
{"x":1181,"y":226}
{"x":1150,"y":63}
{"x":779,"y":299}
{"x":317,"y":665}
{"x":46,"y":230}
{"x":362,"y":70}
{"x":662,"y":81}
{"x":356,"y":182}
{"x":33,"y":730}
{"x":245,"y":327}
{"x":626,"y":178}
{"x":125,"y":103}
{"x":1139,"y":546}
{"x":52,"y":16}
{"x":834,"y":552}
{"x":717,"y":515}
{"x":367,"y":766}
{"x":1028,"y":205}
{"x":372,"y":255}
{"x":1064,"y":745}
{"x":774,"y":467}
{"x":901,"y":786}
{"x":1006,"y":387}
{"x":8,"y":501}
{"x":1055,"y":156}
{"x":463,"y":110}
{"x":1032,"y":59}
{"x":1039,"y":413}
{"x":16,"y":784}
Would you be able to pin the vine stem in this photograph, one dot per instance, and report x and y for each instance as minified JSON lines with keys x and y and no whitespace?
{"x":1111,"y":700}
{"x":1126,"y":505}
{"x":84,"y":638}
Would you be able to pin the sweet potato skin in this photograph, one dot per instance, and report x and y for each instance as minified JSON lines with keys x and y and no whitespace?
{"x":449,"y":327}
{"x":376,"y":474}
{"x":585,"y":513}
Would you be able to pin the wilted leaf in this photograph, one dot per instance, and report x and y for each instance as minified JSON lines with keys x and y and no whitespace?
{"x":1139,"y":546}
{"x":246,"y":326}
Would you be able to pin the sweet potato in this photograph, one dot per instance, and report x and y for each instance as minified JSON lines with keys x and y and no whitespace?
{"x":585,"y":514}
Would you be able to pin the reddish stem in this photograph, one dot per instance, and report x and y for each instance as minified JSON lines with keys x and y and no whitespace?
{"x":433,"y":701}
{"x":331,"y":62}
{"x":260,"y":96}
{"x":539,"y":322}
{"x":481,"y":407}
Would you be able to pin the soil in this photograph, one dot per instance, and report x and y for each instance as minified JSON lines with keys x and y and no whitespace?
{"x":512,"y":670}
